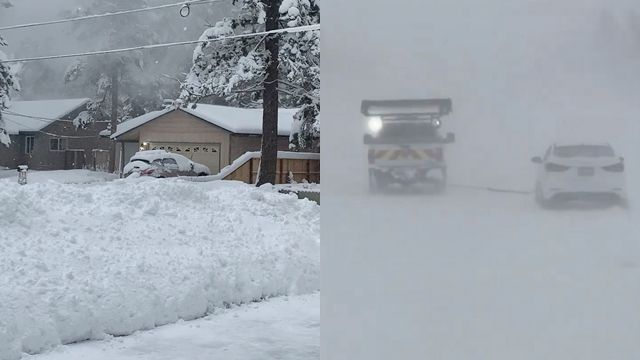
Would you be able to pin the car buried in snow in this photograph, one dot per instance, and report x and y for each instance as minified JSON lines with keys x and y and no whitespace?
{"x":405,"y":147}
{"x":163,"y":164}
{"x":579,"y":171}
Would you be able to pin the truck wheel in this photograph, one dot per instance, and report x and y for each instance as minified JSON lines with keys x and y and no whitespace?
{"x":374,"y":182}
{"x":441,"y":184}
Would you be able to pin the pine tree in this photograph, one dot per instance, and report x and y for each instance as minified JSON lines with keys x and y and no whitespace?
{"x":7,"y":84}
{"x":139,"y":90}
{"x":301,"y":83}
{"x":271,"y":71}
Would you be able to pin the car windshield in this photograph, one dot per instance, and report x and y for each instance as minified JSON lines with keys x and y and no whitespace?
{"x":143,"y":160}
{"x":583,"y":151}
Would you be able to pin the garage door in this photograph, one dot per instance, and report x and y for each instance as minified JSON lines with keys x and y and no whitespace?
{"x":206,"y":154}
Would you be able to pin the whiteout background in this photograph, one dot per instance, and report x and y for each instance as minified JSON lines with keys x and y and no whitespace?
{"x":472,"y":274}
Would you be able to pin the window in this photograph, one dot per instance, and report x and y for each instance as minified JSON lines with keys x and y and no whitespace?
{"x":168,"y":161}
{"x":170,"y":164}
{"x":583,"y":151}
{"x":28,"y":144}
{"x":57,"y":144}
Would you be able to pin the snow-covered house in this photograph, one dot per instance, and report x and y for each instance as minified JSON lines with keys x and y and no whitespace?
{"x":44,"y":136}
{"x":212,"y":135}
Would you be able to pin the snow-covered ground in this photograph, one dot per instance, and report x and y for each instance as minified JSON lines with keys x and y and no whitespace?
{"x":481,"y":275}
{"x":82,"y":261}
{"x":285,"y":328}
{"x":62,"y":176}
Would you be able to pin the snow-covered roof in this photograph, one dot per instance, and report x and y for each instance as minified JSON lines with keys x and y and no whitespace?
{"x":233,"y":119}
{"x":38,"y":114}
{"x":131,"y":124}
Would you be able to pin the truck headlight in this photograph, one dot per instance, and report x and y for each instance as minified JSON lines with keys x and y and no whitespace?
{"x":375,"y":124}
{"x":436,"y":123}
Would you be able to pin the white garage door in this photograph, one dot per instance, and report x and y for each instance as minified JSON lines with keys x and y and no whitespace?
{"x":206,"y":154}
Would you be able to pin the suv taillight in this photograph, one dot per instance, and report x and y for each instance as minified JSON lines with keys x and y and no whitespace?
{"x":551,"y":167}
{"x":619,"y":167}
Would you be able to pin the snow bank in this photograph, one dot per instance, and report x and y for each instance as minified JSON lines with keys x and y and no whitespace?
{"x":81,"y":261}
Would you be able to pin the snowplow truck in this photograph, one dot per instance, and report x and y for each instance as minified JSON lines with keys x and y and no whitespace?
{"x":405,"y":147}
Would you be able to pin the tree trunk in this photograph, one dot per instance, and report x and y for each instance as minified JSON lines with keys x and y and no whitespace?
{"x":270,"y":104}
{"x":114,"y":117}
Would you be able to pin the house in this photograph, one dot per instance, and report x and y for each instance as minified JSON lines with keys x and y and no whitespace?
{"x":44,"y":136}
{"x":212,"y":135}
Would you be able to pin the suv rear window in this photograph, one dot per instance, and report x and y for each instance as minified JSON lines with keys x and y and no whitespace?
{"x":583,"y":151}
{"x":166,"y":161}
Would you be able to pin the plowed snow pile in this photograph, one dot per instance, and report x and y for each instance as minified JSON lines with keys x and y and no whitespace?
{"x":81,"y":261}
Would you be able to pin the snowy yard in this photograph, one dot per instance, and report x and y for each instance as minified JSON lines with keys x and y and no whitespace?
{"x":61,"y":176}
{"x":85,"y":261}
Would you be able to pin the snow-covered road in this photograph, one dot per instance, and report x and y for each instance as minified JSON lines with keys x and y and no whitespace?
{"x":481,"y":275}
{"x":286,"y":328}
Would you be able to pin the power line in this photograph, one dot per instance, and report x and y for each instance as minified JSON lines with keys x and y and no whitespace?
{"x":39,"y":118}
{"x":155,"y":46}
{"x":70,"y":136}
{"x":44,"y":119}
{"x":183,"y":3}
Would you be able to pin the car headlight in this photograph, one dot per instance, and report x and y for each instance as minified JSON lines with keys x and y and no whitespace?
{"x":375,"y":124}
{"x":436,"y":123}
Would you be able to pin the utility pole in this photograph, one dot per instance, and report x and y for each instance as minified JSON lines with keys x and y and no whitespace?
{"x":270,"y":103}
{"x":114,"y":116}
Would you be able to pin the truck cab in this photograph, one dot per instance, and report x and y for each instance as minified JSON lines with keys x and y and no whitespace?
{"x":405,"y":147}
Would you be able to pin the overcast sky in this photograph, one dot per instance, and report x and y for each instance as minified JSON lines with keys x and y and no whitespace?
{"x":57,"y":37}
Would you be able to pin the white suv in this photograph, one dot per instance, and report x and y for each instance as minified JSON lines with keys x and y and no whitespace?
{"x":579,"y":171}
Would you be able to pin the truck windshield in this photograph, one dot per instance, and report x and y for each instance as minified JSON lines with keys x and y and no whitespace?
{"x":583,"y":151}
{"x":407,"y":130}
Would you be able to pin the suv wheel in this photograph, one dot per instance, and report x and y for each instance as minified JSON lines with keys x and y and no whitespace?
{"x":540,"y":199}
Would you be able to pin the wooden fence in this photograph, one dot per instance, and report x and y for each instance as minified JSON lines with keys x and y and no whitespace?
{"x":295,"y":168}
{"x":100,"y":160}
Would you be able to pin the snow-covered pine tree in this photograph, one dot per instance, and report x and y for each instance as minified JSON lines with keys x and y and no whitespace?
{"x":238,"y":69}
{"x":300,"y":86}
{"x":139,"y":90}
{"x":7,"y":84}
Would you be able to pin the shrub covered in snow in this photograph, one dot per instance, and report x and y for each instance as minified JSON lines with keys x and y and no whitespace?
{"x":81,"y":261}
